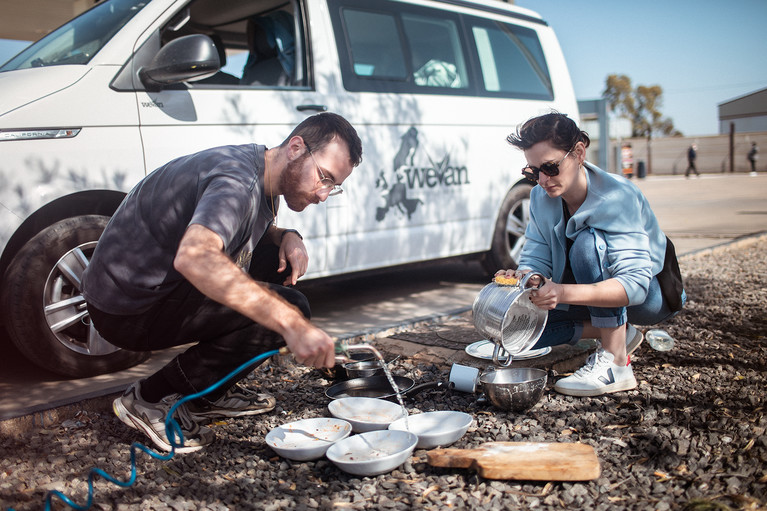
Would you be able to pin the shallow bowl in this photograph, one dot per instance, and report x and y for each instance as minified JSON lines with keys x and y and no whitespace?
{"x":364,"y":369}
{"x":307,"y":439}
{"x":373,"y":453}
{"x":515,"y":388}
{"x":366,"y":413}
{"x":435,"y":429}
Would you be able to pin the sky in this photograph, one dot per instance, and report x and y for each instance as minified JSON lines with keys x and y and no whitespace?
{"x":701,"y":52}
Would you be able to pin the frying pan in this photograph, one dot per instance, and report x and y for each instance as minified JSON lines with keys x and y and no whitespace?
{"x":379,"y":386}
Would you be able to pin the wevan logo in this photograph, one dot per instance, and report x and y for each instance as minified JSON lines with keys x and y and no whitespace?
{"x":152,"y":104}
{"x":409,"y":176}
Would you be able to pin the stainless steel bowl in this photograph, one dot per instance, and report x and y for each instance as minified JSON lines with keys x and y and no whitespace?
{"x":515,"y":388}
{"x":363,"y":369}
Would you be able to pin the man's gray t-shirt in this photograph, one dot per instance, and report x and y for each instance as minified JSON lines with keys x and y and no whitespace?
{"x":219,"y":188}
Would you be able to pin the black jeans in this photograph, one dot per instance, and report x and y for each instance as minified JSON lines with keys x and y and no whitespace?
{"x":224,"y":338}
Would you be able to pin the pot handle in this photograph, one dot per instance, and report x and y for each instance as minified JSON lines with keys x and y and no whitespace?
{"x":527,"y":276}
{"x":424,"y":386}
{"x":497,"y":351}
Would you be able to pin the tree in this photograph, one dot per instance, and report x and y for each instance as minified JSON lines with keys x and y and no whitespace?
{"x":641,"y":106}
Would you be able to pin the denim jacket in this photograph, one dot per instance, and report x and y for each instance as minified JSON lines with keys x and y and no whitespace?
{"x":630,"y":244}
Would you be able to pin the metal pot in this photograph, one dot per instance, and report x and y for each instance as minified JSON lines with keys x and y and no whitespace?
{"x":506,"y":316}
{"x":364,"y":369}
{"x":514,"y":388}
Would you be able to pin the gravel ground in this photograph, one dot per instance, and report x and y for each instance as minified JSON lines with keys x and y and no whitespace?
{"x":690,"y":437}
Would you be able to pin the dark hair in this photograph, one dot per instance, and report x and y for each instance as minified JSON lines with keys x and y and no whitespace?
{"x":318,"y":130}
{"x":556,"y":128}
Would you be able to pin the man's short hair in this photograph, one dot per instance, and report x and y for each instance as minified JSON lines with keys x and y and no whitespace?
{"x":320,"y":129}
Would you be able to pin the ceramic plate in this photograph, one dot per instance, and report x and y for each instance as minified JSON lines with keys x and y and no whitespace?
{"x":484,"y":350}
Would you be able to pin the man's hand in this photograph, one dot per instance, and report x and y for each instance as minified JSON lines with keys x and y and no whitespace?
{"x":311,"y":346}
{"x":292,"y":249}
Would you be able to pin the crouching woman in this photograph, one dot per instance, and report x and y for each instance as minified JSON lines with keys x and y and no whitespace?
{"x":607,"y":262}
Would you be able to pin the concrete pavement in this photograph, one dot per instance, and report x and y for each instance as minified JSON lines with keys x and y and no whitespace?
{"x":697,"y":214}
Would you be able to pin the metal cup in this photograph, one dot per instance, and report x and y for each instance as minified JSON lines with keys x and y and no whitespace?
{"x":464,"y":378}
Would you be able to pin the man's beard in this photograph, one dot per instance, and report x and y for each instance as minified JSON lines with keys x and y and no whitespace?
{"x":290,"y":184}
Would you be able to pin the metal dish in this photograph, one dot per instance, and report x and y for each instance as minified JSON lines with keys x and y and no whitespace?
{"x":515,"y":388}
{"x":364,"y":369}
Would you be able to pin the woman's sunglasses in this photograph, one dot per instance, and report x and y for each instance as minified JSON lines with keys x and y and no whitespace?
{"x":549,"y":168}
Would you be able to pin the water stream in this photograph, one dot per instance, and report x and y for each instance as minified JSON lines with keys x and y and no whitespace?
{"x":387,"y":372}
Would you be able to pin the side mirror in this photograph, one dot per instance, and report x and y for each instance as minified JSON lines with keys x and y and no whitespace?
{"x":182,"y":59}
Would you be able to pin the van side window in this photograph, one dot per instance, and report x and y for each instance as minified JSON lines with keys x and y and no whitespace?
{"x":376,"y":48}
{"x":259,"y":45}
{"x":511,"y":60}
{"x":436,"y":52}
{"x":395,"y":47}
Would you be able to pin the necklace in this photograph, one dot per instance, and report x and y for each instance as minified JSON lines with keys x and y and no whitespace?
{"x":271,"y":197}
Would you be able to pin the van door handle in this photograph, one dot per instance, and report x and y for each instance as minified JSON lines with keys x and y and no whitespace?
{"x":318,"y":108}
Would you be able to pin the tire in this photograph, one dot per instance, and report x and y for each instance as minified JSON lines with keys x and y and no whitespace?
{"x":509,"y":232}
{"x":43,"y":308}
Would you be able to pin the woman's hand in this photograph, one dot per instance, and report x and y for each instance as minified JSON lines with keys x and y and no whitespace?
{"x":547,"y":296}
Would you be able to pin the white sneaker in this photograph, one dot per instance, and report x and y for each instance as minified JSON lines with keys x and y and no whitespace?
{"x":633,"y":339}
{"x":599,"y":376}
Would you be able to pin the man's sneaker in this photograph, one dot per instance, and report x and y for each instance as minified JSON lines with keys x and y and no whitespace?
{"x":150,"y":418}
{"x":599,"y":376}
{"x":237,"y":401}
{"x":634,"y":338}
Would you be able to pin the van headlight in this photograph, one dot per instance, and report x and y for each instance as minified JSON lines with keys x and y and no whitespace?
{"x":33,"y":134}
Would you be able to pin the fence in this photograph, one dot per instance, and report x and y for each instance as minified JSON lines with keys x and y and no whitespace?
{"x":668,"y":156}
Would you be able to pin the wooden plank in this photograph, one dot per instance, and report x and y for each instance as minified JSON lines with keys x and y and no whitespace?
{"x":526,"y":461}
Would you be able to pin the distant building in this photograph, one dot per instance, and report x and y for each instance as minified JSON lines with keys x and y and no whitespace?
{"x":748,"y":113}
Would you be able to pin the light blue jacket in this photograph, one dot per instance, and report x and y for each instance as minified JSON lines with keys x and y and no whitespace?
{"x":629,"y":242}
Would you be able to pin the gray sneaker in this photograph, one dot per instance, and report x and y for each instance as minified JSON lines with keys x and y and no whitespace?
{"x":634,"y":338}
{"x":150,"y":418}
{"x":237,"y":402}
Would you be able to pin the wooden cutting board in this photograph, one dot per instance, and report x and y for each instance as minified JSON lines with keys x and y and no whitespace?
{"x":524,"y":461}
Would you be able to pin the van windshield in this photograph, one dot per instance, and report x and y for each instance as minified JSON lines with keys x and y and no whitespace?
{"x":80,"y":39}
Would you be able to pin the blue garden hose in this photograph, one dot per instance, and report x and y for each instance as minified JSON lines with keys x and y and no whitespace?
{"x":172,"y":430}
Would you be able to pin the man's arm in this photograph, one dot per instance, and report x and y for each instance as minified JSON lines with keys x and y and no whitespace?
{"x":201,"y":260}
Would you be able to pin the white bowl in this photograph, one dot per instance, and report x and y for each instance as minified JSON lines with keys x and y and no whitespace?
{"x":435,"y":429}
{"x":366,"y":413}
{"x":307,"y":439}
{"x":372,"y":453}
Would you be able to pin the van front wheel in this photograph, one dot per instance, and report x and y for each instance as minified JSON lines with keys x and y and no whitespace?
{"x":43,"y":307}
{"x":509,"y":233}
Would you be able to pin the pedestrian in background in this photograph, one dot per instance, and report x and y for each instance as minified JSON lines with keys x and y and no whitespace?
{"x":692,"y":154}
{"x":753,"y":155}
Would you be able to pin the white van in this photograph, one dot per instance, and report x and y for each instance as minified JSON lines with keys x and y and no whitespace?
{"x":433,"y":88}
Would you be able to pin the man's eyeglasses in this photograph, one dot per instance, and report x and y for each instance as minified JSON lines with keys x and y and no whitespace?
{"x":325,"y":184}
{"x":549,"y":168}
